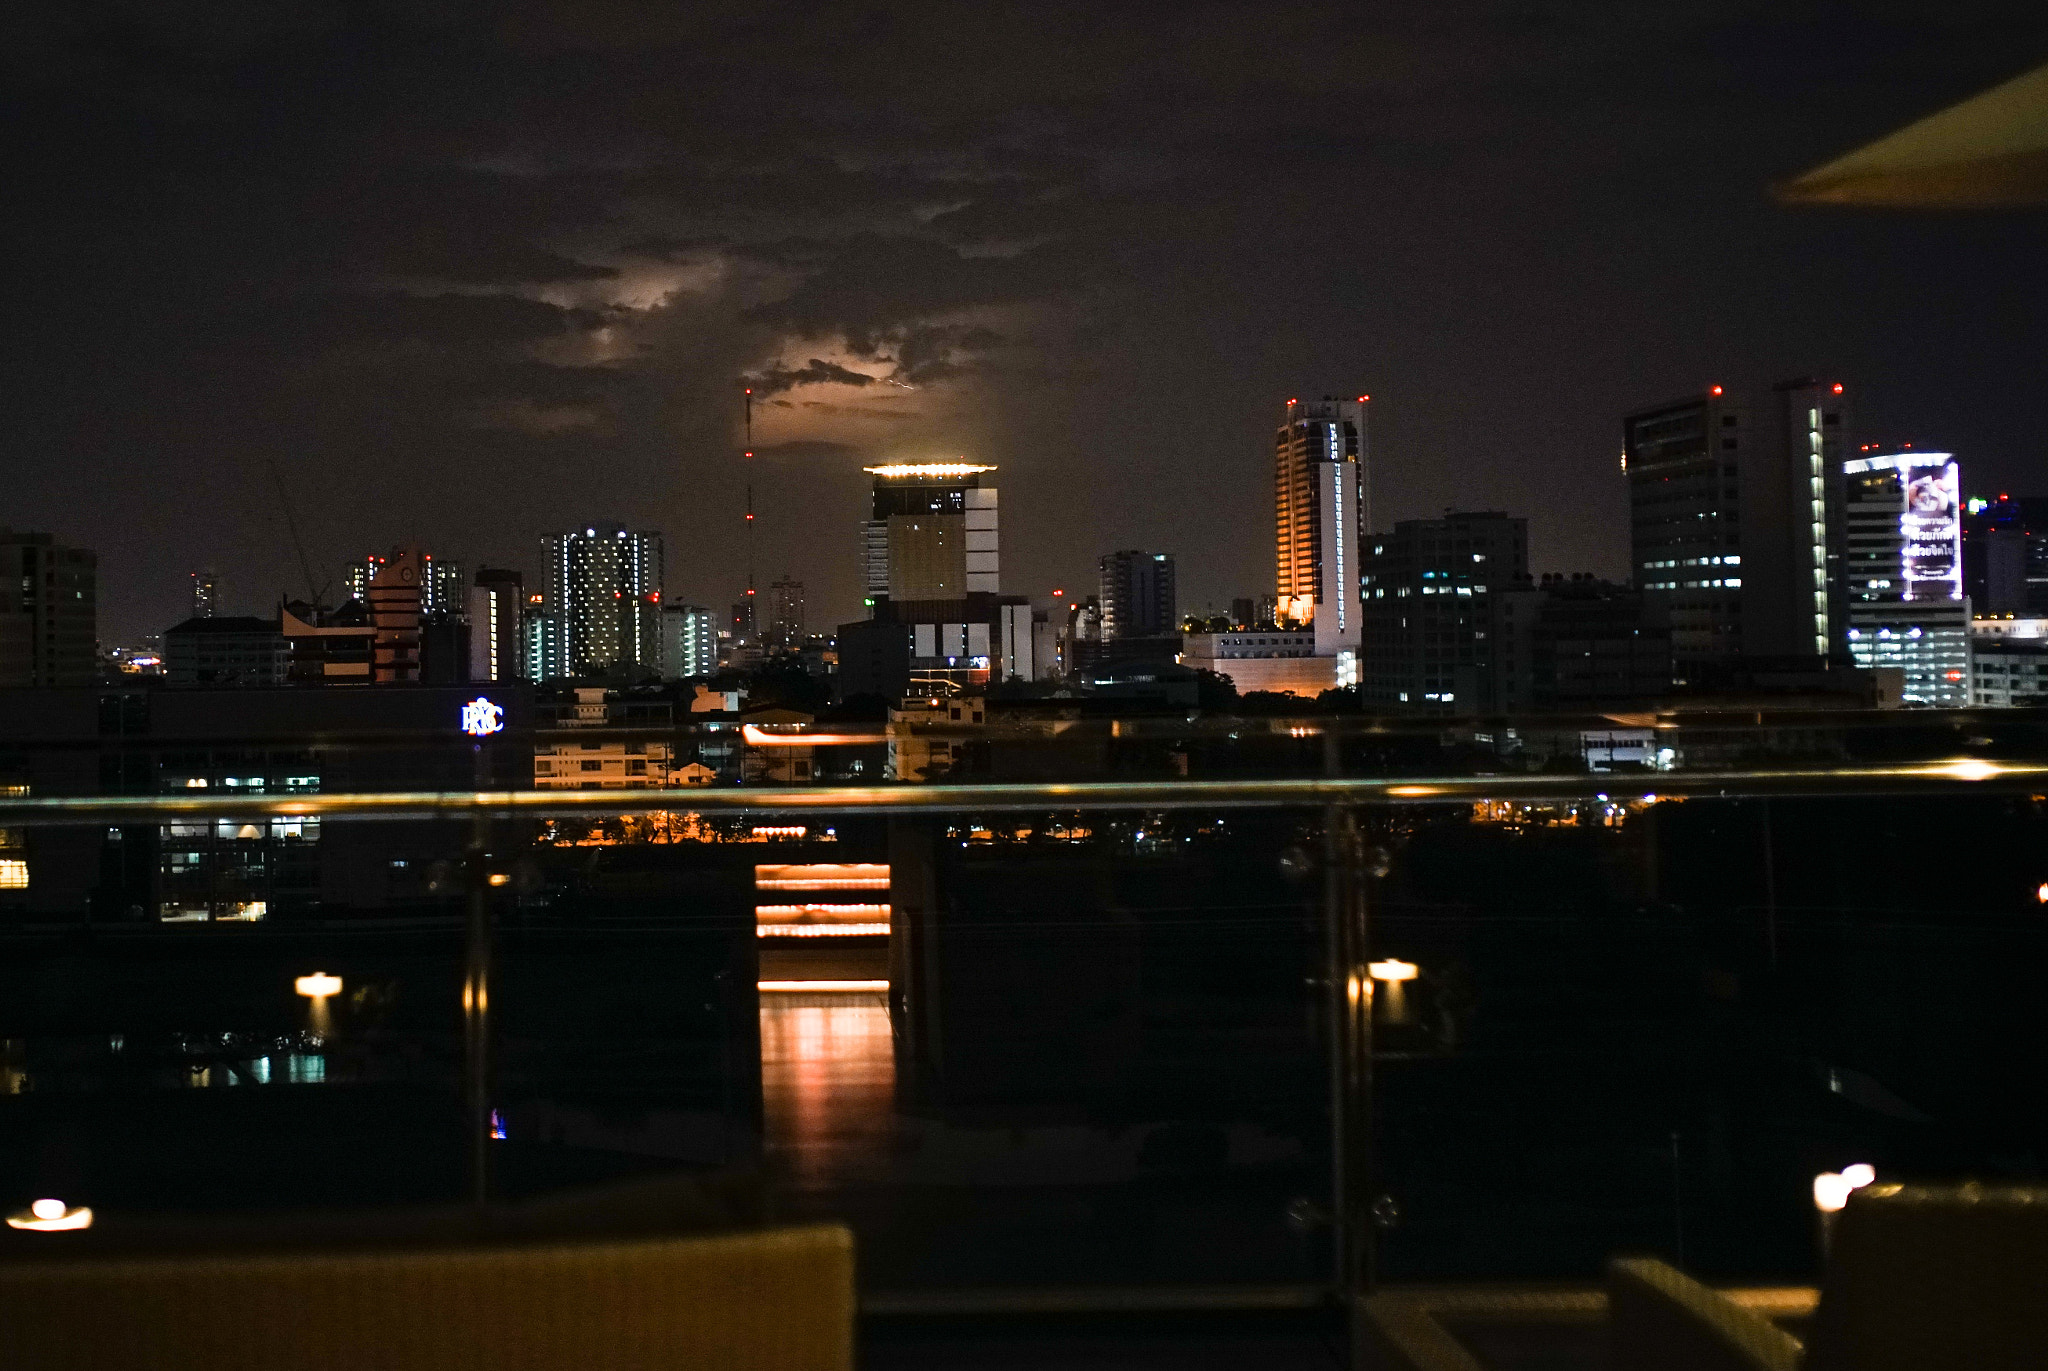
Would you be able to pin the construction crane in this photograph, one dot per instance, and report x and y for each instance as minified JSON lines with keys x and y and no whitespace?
{"x":316,"y":593}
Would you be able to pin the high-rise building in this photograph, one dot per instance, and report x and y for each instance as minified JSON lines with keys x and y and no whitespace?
{"x":1902,"y":573}
{"x":48,"y":612}
{"x":785,"y":615}
{"x":395,"y":614}
{"x":1730,"y":512}
{"x":1138,"y":599}
{"x":541,"y":633}
{"x":2005,"y":555}
{"x":205,"y":594}
{"x":1577,"y":643}
{"x":1428,"y":611}
{"x":1318,"y":456}
{"x":603,"y":588}
{"x":496,"y":603}
{"x":689,"y":641}
{"x":360,"y":574}
{"x":442,"y":589}
{"x":931,"y":532}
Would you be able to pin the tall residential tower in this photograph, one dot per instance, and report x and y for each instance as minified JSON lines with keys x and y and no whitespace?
{"x":1138,"y":596}
{"x":602,"y":588}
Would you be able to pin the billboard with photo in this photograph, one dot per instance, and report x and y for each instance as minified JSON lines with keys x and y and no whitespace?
{"x":1931,"y":526}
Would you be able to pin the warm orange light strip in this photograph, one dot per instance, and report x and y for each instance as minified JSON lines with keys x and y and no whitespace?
{"x":821,"y":883}
{"x":755,"y":736}
{"x":825,"y":987}
{"x":821,"y":913}
{"x":821,"y":876}
{"x":821,"y":930}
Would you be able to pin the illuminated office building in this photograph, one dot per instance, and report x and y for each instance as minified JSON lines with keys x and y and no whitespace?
{"x":1902,"y":573}
{"x":603,"y":589}
{"x":931,"y":532}
{"x":442,"y":590}
{"x":1428,"y":590}
{"x":359,"y":576}
{"x":1319,"y":452}
{"x":1732,"y":513}
{"x":205,"y":594}
{"x":497,"y":604}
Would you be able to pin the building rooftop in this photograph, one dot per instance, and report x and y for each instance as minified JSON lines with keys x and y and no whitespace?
{"x":900,"y":471}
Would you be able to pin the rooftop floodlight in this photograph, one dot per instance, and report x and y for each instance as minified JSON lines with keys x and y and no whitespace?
{"x":50,"y":1216}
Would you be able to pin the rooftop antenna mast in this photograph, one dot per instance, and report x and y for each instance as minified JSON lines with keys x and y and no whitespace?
{"x":749,"y":463}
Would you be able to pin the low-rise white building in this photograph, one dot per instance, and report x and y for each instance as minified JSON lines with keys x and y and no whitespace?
{"x":621,"y":760}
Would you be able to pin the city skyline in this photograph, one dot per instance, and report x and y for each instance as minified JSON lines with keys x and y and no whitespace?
{"x":545,"y":316}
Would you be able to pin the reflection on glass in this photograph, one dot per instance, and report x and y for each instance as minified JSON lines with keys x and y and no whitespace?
{"x":828,"y":1079}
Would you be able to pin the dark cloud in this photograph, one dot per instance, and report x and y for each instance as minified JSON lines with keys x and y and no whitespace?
{"x":816,"y":372}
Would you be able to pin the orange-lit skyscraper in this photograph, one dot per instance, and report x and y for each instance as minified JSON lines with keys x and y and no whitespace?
{"x":1319,"y":455}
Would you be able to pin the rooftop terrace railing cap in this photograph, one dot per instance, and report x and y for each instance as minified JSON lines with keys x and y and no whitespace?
{"x":1950,"y":776}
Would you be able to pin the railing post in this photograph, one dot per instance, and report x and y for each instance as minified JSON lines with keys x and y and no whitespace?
{"x":476,"y":997}
{"x":1350,"y":1015}
{"x":1350,"y":1004}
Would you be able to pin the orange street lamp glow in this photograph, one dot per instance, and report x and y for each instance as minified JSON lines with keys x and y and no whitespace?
{"x":50,"y":1216}
{"x":317,"y":986}
{"x":1391,"y":970}
{"x":1831,"y":1189}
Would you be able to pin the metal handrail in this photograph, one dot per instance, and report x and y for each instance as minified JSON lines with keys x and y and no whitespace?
{"x":1953,"y":776}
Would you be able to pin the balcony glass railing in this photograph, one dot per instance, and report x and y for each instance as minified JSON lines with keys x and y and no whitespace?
{"x":1245,"y":1009}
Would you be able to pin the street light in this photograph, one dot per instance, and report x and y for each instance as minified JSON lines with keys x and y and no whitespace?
{"x":317,"y":986}
{"x":50,"y":1216}
{"x":1394,"y":975}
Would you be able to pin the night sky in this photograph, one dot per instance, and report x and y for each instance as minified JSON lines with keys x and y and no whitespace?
{"x":468,"y":273}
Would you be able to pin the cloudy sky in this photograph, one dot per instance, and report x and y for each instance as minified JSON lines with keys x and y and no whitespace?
{"x":460,"y":274}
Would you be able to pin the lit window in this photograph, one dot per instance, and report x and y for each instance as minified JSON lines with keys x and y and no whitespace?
{"x":13,"y":874}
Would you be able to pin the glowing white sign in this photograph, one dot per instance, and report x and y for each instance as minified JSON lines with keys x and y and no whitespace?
{"x":481,"y":718}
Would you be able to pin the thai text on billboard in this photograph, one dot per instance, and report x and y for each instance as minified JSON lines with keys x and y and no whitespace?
{"x":1931,"y":527}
